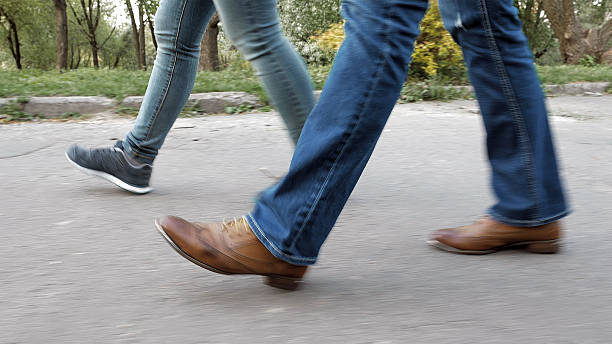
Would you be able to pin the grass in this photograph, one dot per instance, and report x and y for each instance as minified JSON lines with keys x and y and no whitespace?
{"x":557,"y":75}
{"x":119,"y":84}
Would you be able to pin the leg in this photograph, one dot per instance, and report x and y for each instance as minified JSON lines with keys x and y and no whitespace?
{"x":291,"y":220}
{"x":253,"y":26}
{"x":180,"y":25}
{"x":294,"y":218}
{"x":524,"y":169}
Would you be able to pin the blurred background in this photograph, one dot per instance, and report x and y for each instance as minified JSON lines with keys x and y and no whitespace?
{"x":107,"y":48}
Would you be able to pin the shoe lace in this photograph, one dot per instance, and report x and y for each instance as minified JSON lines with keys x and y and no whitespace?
{"x":107,"y":156}
{"x":238,"y":225}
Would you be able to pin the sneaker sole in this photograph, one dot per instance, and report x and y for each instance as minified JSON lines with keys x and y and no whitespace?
{"x":120,"y":183}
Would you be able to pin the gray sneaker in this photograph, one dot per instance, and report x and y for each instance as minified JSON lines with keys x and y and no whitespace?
{"x":111,"y":163}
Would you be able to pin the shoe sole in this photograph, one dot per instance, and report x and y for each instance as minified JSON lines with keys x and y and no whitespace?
{"x":108,"y":177}
{"x":281,"y":282}
{"x":546,"y":246}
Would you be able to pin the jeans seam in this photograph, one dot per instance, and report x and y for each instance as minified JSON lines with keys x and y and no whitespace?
{"x":278,"y":252}
{"x":357,"y":116}
{"x":166,"y":90}
{"x":517,"y":116}
{"x":291,"y":95}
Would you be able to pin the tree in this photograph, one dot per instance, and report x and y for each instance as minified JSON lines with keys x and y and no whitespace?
{"x":150,"y":7}
{"x":303,"y":19}
{"x":13,"y":34}
{"x":535,"y":26}
{"x":576,"y":39}
{"x":435,"y":52}
{"x":61,"y":30}
{"x":209,"y":56}
{"x":138,"y":33}
{"x":89,"y":23}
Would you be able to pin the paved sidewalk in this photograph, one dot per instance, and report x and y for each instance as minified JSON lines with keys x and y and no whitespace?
{"x":82,"y":263}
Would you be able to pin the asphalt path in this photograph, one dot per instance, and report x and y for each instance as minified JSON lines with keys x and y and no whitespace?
{"x":81,"y":261}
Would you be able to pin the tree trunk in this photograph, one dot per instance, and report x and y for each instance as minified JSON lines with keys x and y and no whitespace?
{"x":141,"y":37}
{"x":94,"y":54}
{"x":574,"y":39}
{"x":89,"y":23}
{"x":152,"y":29}
{"x":61,"y":29}
{"x":209,"y":54}
{"x":17,"y":51}
{"x":71,"y":56}
{"x":78,"y":58}
{"x":13,"y":38}
{"x":135,"y":34}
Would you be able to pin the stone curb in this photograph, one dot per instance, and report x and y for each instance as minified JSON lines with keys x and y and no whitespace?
{"x":217,"y":102}
{"x":571,"y":89}
{"x":53,"y":107}
{"x":212,"y":102}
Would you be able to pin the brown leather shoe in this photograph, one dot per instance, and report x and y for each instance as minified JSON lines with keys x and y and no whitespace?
{"x":487,"y":236}
{"x":228,"y":248}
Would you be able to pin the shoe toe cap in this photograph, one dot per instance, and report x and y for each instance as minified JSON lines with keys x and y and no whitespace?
{"x":442,"y":235}
{"x":180,"y":232}
{"x":71,"y":151}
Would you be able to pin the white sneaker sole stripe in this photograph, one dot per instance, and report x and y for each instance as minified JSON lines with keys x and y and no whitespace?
{"x":125,"y":186}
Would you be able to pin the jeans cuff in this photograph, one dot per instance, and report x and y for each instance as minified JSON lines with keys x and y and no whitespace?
{"x":274,"y":250}
{"x":128,"y":149}
{"x":528,"y":223}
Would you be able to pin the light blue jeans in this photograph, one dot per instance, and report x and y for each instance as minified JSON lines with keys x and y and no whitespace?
{"x":293,"y":218}
{"x":254,"y":28}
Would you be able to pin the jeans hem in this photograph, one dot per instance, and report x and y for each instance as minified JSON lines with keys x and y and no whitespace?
{"x":128,"y":149}
{"x":274,"y":250}
{"x":528,"y":223}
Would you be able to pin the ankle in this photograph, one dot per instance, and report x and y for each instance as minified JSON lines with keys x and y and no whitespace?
{"x":133,"y":161}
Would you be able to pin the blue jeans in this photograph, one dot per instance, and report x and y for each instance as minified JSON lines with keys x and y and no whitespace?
{"x":254,"y":28}
{"x":293,"y":219}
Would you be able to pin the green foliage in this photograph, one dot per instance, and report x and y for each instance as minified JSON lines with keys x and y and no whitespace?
{"x":331,"y":38}
{"x":432,"y":89}
{"x":435,"y":52}
{"x":588,"y":61}
{"x":593,"y":13}
{"x":71,"y":115}
{"x":537,"y":29}
{"x":82,"y":82}
{"x":121,"y":83}
{"x":12,"y":112}
{"x":127,"y":111}
{"x":242,"y":108}
{"x":233,"y":78}
{"x":318,"y":74}
{"x":563,"y":74}
{"x":303,"y":19}
{"x":36,"y":28}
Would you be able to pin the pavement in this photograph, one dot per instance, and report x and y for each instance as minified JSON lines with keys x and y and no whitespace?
{"x":82,"y":263}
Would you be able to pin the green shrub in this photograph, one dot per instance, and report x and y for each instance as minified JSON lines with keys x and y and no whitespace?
{"x":435,"y":52}
{"x":588,"y":61}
